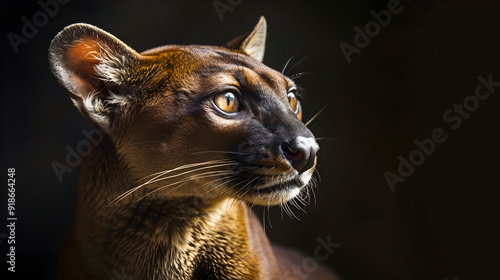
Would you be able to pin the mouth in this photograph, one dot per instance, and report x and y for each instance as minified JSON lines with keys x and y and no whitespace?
{"x":273,"y":186}
{"x":272,"y":190}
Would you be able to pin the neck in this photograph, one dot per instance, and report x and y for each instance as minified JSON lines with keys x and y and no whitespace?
{"x":163,"y":238}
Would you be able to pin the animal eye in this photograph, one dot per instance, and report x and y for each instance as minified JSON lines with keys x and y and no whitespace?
{"x":292,"y":99}
{"x":227,"y":102}
{"x":295,"y":104}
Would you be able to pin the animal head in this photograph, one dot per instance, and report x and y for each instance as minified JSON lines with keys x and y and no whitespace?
{"x":192,"y":120}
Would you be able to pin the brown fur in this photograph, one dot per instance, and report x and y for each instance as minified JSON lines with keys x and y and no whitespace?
{"x":155,"y":114}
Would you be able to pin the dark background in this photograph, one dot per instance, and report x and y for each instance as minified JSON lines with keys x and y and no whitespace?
{"x":441,"y":223}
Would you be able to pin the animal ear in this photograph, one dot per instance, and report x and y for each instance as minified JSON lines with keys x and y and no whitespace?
{"x":94,"y":66}
{"x":255,"y":43}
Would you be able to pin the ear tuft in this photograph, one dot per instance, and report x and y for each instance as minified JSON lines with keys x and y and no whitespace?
{"x":97,"y":110}
{"x":255,"y":43}
{"x":90,"y":63}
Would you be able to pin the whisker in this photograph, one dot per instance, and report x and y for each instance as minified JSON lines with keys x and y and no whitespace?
{"x":301,"y":74}
{"x":312,"y":186}
{"x":317,"y":114}
{"x":223,"y":183}
{"x":187,"y":172}
{"x":149,"y":193}
{"x":324,"y":138}
{"x":290,"y":212}
{"x":300,"y":61}
{"x":281,"y":208}
{"x":208,"y":174}
{"x":314,"y":196}
{"x":269,"y":170}
{"x":314,"y":183}
{"x":223,"y":152}
{"x":286,"y":64}
{"x":301,"y":200}
{"x":161,"y":173}
{"x":181,"y":182}
{"x":308,"y":195}
{"x":269,"y":213}
{"x":318,"y":176}
{"x":186,"y":166}
{"x":155,"y":179}
{"x":247,"y":184}
{"x":236,"y":178}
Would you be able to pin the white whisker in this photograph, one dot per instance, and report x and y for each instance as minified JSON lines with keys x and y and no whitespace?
{"x":317,"y":114}
{"x":158,"y":177}
{"x":222,"y":152}
{"x":286,"y":64}
{"x":324,"y":138}
{"x":186,"y":166}
{"x":181,"y":182}
{"x":300,"y":61}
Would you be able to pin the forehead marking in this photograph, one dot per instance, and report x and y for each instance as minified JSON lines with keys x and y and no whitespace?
{"x":254,"y":78}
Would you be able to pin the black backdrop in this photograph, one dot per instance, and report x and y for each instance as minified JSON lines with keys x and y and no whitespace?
{"x":440,"y":223}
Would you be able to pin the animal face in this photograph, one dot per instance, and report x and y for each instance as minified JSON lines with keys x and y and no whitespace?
{"x":192,"y":120}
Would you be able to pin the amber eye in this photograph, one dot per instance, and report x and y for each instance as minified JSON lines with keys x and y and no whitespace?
{"x":227,"y":102}
{"x":295,"y":104}
{"x":293,"y":100}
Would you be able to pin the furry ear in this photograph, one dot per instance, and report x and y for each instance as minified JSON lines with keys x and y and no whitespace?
{"x":93,"y":65}
{"x":254,"y":44}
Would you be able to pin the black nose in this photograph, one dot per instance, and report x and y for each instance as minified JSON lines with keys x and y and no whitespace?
{"x":301,"y":152}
